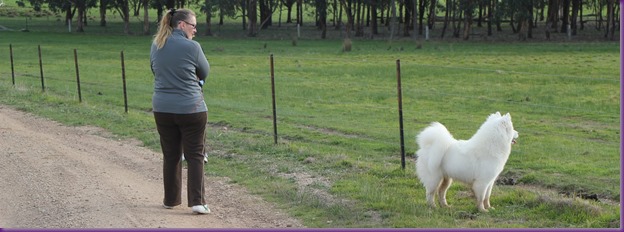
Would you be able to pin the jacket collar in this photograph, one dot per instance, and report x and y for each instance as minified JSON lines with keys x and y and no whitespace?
{"x":178,"y":32}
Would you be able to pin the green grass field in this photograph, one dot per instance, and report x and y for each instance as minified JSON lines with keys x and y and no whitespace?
{"x":337,"y":162}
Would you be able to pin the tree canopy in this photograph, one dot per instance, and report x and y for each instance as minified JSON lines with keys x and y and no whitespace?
{"x":363,"y":18}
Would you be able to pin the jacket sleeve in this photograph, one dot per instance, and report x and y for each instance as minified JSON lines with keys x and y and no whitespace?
{"x":203,"y":67}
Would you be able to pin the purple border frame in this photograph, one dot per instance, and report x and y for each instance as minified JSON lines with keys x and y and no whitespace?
{"x":366,"y":229}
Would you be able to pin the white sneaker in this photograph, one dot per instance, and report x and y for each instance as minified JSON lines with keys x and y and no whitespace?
{"x":205,"y":157}
{"x":167,"y":207}
{"x":201,"y":209}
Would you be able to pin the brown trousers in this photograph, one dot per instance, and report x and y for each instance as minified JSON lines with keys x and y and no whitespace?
{"x":182,"y":133}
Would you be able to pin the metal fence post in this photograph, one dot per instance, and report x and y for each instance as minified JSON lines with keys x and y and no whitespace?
{"x":77,"y":75}
{"x":123,"y":77}
{"x":400,"y":100}
{"x":41,"y":69}
{"x":273,"y":101}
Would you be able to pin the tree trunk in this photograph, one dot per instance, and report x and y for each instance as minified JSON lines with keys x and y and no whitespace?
{"x":421,"y":16}
{"x":103,"y":5}
{"x":409,"y":5}
{"x":321,"y":8}
{"x":432,"y":14}
{"x":125,"y":13}
{"x":289,"y":14}
{"x":266,"y":12}
{"x":393,"y":21}
{"x":553,"y":13}
{"x":208,"y":5}
{"x":610,"y":26}
{"x":81,"y":6}
{"x":69,"y":14}
{"x":244,"y":12}
{"x":374,"y":29}
{"x":582,"y":23}
{"x":575,"y":12}
{"x":300,"y":12}
{"x":469,"y":8}
{"x":480,"y":14}
{"x":490,"y":16}
{"x":446,"y":17}
{"x":146,"y":22}
{"x":358,"y":19}
{"x":523,"y":31}
{"x":339,"y":20}
{"x":289,"y":6}
{"x":252,"y":15}
{"x":565,"y":17}
{"x":415,"y":18}
{"x":350,"y":17}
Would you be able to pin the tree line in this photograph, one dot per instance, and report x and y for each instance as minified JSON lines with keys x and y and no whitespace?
{"x":455,"y":18}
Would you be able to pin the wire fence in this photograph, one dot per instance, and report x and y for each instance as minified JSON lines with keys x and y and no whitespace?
{"x":375,"y":111}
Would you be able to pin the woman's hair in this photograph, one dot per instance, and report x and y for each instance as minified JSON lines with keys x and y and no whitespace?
{"x":168,"y":22}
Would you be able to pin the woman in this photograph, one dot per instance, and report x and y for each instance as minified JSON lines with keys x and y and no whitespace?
{"x":180,"y":68}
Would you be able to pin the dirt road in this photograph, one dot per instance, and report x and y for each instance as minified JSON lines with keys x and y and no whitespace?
{"x":54,"y":176}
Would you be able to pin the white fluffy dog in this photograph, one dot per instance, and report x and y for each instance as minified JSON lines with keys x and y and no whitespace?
{"x":477,"y":161}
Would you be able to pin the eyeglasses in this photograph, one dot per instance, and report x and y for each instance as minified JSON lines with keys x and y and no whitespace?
{"x":193,"y":25}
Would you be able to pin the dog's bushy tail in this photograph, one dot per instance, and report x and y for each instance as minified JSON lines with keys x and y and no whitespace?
{"x":433,"y":142}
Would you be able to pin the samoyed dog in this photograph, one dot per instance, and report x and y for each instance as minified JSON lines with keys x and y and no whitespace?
{"x":477,"y":161}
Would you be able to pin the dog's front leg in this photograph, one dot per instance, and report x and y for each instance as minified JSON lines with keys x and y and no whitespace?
{"x":486,"y":201}
{"x":480,"y":190}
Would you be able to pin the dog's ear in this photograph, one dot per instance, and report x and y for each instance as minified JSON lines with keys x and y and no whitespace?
{"x":507,"y":115}
{"x":493,"y":116}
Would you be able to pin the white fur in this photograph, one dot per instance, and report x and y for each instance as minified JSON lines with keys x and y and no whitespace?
{"x":477,"y":161}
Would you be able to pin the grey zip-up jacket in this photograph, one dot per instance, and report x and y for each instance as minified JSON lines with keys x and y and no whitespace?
{"x":178,"y":66}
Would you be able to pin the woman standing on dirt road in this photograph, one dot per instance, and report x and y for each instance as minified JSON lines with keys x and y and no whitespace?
{"x":180,"y":68}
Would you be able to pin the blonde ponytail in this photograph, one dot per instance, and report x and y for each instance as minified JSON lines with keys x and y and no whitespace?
{"x":168,"y":22}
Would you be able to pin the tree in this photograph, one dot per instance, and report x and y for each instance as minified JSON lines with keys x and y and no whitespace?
{"x":408,"y":6}
{"x":103,"y":8}
{"x":393,"y":21}
{"x":610,"y":28}
{"x":146,"y":23}
{"x":123,"y":9}
{"x":267,"y":7}
{"x":565,"y":17}
{"x":81,"y":5}
{"x":321,"y":8}
{"x":449,"y":7}
{"x":432,"y":14}
{"x":348,"y":12}
{"x":300,"y":12}
{"x":289,"y":5}
{"x":359,"y":24}
{"x":227,"y":8}
{"x":468,"y":8}
{"x":576,"y":6}
{"x":373,"y":10}
{"x":523,"y":15}
{"x":209,"y":7}
{"x":252,"y":15}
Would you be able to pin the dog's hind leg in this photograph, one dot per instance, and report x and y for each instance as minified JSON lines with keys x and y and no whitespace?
{"x":480,"y":190}
{"x":444,"y":186}
{"x":432,"y":186}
